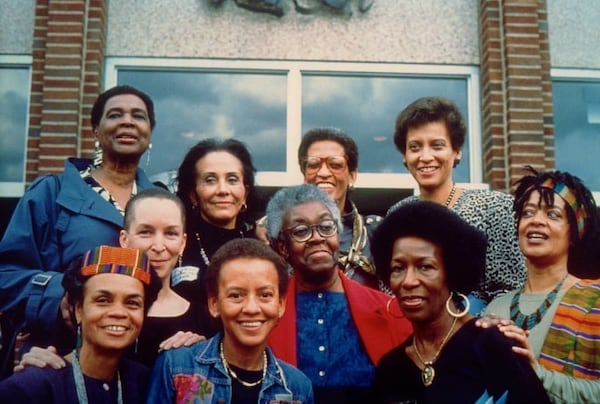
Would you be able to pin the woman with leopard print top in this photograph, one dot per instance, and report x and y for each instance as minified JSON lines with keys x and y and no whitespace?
{"x":430,"y":133}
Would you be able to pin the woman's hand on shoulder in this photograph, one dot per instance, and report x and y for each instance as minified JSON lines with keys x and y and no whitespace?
{"x":523,"y":346}
{"x":179,"y":339}
{"x":492,"y":320}
{"x":510,"y":330}
{"x":41,"y":358}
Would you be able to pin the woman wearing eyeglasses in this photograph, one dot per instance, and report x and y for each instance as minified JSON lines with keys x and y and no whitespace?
{"x":334,"y":330}
{"x":328,"y":158}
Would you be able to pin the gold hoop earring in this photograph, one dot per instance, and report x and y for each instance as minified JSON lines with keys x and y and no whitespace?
{"x":461,"y":313}
{"x":388,"y":308}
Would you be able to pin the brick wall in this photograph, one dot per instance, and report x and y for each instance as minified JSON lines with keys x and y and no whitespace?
{"x":68,"y":53}
{"x":516,"y":89}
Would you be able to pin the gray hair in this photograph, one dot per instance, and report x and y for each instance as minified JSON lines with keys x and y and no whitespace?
{"x":287,"y":198}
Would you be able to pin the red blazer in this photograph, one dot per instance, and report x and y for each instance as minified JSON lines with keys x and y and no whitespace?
{"x":378,"y":330}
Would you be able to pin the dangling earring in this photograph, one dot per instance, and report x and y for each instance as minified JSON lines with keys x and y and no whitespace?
{"x":244,"y":207}
{"x":148,"y":154}
{"x":467,"y":305}
{"x":78,"y":340}
{"x":97,"y":154}
{"x":135,"y":347}
{"x":179,"y":260}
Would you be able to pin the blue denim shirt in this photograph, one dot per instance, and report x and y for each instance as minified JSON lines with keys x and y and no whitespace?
{"x":196,"y":374}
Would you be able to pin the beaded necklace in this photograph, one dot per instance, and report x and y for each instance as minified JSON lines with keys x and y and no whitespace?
{"x":450,"y":196}
{"x":531,"y":320}
{"x":80,"y":383}
{"x":236,"y":377}
{"x":203,"y":254}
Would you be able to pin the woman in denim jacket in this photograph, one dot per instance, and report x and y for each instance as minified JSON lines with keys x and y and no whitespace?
{"x":246,"y":283}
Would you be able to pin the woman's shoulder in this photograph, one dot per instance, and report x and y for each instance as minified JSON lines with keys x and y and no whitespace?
{"x":408,"y":199}
{"x":495,"y":198}
{"x":501,"y":304}
{"x":291,"y":371}
{"x":35,"y":383}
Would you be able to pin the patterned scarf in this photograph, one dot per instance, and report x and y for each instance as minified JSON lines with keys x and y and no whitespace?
{"x":572,"y":345}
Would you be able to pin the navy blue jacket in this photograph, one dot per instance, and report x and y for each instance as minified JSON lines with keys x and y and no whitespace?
{"x":58,"y":218}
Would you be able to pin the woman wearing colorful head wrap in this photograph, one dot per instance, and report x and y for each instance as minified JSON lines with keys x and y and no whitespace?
{"x":110,"y":292}
{"x":557,"y":312}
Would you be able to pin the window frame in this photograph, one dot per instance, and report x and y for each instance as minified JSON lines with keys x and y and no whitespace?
{"x":16,"y":189}
{"x":577,"y":75}
{"x":294,"y":71}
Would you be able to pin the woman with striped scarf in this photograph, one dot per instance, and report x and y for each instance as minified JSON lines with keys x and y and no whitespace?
{"x":556,"y":315}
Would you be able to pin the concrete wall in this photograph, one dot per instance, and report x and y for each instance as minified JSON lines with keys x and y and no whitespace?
{"x":574,"y":33}
{"x":16,"y":26}
{"x":407,"y":31}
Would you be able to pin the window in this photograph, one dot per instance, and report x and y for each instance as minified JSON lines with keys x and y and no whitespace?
{"x":14,"y":107}
{"x":269,"y":104}
{"x":576,"y":97}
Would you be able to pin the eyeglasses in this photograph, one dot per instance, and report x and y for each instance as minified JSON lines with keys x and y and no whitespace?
{"x":336,"y":164}
{"x":303,"y":232}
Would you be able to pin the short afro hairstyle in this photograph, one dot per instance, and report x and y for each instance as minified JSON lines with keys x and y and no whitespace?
{"x":100,"y":103}
{"x":463,"y":247}
{"x":241,"y":248}
{"x":333,"y":135}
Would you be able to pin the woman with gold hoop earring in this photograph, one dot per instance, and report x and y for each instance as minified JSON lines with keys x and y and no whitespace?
{"x":431,"y":259}
{"x":215,"y":181}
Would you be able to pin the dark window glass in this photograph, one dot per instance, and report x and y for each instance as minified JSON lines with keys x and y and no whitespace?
{"x":577,"y":129}
{"x":366,"y":107}
{"x":191,"y":106}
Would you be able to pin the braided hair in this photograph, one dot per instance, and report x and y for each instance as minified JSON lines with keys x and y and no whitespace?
{"x":582,"y":215}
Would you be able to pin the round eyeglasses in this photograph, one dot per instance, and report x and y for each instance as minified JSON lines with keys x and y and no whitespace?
{"x":336,"y":164}
{"x":303,"y":232}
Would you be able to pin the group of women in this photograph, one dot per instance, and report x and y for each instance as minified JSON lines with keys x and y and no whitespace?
{"x":437,"y":266}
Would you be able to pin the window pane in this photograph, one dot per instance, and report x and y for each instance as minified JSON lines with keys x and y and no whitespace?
{"x":577,"y":129}
{"x":191,"y":106}
{"x":366,"y":107}
{"x":14,"y":95}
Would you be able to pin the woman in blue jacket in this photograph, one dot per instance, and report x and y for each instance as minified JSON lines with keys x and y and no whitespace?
{"x":62,"y":216}
{"x":246,"y":283}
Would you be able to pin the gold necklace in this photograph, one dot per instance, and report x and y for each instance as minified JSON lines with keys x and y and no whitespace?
{"x":450,"y":196}
{"x":428,"y":372}
{"x":236,"y":377}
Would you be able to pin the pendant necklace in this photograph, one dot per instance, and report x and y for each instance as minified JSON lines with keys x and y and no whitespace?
{"x":428,"y":372}
{"x":236,"y":377}
{"x":80,"y":383}
{"x":527,"y":322}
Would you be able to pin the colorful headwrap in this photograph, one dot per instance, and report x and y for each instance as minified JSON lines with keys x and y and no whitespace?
{"x":569,"y":197}
{"x":126,"y":261}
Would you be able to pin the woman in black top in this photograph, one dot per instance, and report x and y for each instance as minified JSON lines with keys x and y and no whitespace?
{"x":431,"y":258}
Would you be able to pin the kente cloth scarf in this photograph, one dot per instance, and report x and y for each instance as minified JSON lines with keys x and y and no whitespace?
{"x":572,"y":345}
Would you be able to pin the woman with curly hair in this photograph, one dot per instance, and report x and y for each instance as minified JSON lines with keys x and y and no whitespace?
{"x":556,"y":315}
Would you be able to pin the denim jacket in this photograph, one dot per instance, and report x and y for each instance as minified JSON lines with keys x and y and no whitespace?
{"x":196,"y":374}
